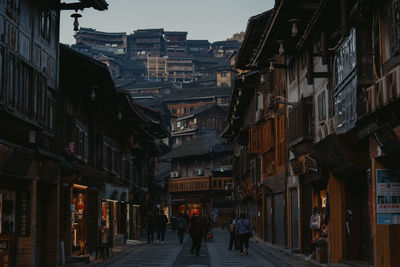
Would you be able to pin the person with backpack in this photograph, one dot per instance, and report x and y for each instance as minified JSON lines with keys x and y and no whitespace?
{"x":231,"y":228}
{"x":244,"y":232}
{"x":180,"y":227}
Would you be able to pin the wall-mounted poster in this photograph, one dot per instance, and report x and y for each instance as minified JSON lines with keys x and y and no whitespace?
{"x":388,"y":196}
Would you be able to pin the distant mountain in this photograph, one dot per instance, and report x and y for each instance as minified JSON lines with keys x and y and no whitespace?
{"x":239,"y":36}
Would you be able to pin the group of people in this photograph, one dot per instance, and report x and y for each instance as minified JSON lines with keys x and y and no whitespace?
{"x":240,"y":232}
{"x":158,"y":222}
{"x":197,"y":227}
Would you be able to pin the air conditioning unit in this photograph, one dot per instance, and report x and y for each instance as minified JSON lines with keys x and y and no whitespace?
{"x":175,"y":174}
{"x":258,"y":115}
{"x":270,"y":101}
{"x":323,"y":131}
{"x":260,"y":101}
{"x":199,"y":172}
{"x":370,"y":103}
{"x":381,"y":94}
{"x":393,"y":83}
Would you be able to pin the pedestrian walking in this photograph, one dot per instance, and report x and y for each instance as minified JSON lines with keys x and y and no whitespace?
{"x":173,"y":223}
{"x":162,"y":221}
{"x":206,"y":227}
{"x":243,"y":230}
{"x":180,"y":227}
{"x":150,"y":228}
{"x":196,"y":233}
{"x":232,"y":234}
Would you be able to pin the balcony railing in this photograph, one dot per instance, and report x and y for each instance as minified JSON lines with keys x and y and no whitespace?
{"x":189,"y":184}
{"x":301,"y":121}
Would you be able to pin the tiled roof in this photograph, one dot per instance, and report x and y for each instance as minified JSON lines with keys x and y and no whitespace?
{"x":199,"y":145}
{"x":255,"y":27}
{"x":196,"y":93}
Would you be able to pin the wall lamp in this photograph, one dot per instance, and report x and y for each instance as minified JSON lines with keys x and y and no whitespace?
{"x":281,"y":49}
{"x":93,"y":93}
{"x":76,"y":15}
{"x":295,"y":29}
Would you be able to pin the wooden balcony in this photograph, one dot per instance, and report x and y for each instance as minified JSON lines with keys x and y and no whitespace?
{"x":189,"y":184}
{"x":200,"y":183}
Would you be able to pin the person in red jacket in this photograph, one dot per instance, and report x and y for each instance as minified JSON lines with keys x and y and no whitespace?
{"x":196,"y":233}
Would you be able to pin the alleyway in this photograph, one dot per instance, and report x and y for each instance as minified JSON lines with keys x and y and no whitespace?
{"x":213,"y":254}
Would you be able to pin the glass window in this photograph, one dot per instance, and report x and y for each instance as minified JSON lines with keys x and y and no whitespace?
{"x":43,"y":93}
{"x":11,"y":81}
{"x":26,"y":87}
{"x":1,"y":73}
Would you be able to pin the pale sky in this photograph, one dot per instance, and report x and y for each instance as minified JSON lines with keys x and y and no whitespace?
{"x":215,"y":20}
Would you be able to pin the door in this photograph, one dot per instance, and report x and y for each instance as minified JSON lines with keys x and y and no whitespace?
{"x":356,"y":225}
{"x":306,"y":211}
{"x":268,"y":219}
{"x":294,"y":219}
{"x":279,"y":220}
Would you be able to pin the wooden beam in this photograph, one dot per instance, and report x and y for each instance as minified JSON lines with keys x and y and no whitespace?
{"x":324,"y":48}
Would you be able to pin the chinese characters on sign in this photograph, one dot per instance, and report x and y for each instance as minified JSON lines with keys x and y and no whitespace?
{"x":388,"y":196}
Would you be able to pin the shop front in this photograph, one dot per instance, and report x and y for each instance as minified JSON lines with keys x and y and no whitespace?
{"x":114,"y":215}
{"x":79,"y":219}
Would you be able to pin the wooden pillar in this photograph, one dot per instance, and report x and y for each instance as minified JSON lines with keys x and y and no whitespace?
{"x":336,"y":215}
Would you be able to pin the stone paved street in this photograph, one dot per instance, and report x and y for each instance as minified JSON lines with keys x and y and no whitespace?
{"x":212,"y":254}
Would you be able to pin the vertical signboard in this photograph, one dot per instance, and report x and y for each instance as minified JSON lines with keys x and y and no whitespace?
{"x":388,"y":196}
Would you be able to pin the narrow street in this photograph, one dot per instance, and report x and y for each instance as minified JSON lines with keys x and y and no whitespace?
{"x":213,"y":254}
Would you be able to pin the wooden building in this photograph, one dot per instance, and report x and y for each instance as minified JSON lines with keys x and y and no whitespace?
{"x":198,"y":47}
{"x":339,"y":132}
{"x":145,"y":43}
{"x":29,"y":158}
{"x":203,"y":119}
{"x":175,"y":43}
{"x":114,"y":42}
{"x":201,"y":178}
{"x":110,"y":157}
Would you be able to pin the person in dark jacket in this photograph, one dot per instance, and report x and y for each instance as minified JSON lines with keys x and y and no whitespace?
{"x":181,"y":227}
{"x":150,"y":228}
{"x":196,"y":233}
{"x":231,"y":228}
{"x":243,"y":230}
{"x":162,"y":221}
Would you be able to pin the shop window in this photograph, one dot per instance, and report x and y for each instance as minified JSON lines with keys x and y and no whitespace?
{"x":321,"y":106}
{"x":26,"y":80}
{"x":13,"y":8}
{"x":1,"y":72}
{"x":50,"y":120}
{"x":105,"y":222}
{"x":256,"y":139}
{"x":11,"y":81}
{"x":8,"y":209}
{"x":78,"y":209}
{"x":82,"y":143}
